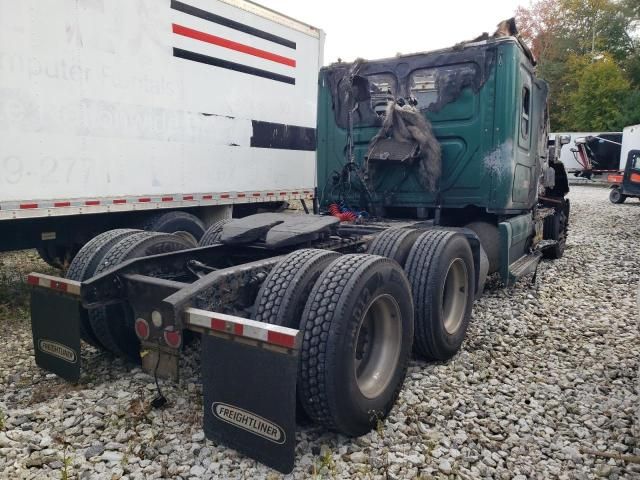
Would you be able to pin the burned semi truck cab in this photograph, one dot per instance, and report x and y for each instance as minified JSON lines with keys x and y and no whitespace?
{"x":487,"y":113}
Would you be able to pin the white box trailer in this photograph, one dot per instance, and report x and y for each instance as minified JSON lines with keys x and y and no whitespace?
{"x":109,"y":107}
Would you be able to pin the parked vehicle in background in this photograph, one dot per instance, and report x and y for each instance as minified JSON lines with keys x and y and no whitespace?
{"x":166,"y":116}
{"x":590,"y":153}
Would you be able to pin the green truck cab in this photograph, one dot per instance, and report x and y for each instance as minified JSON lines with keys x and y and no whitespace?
{"x":488,"y":113}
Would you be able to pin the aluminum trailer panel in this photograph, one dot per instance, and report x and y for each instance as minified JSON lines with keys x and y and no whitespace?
{"x":163,"y":101}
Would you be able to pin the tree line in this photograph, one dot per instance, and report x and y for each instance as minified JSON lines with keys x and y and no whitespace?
{"x":589,"y":53}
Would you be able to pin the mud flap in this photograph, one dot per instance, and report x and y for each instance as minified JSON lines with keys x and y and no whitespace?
{"x":249,"y":399}
{"x":55,"y":327}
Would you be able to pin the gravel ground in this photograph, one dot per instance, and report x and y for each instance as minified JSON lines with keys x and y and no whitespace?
{"x":546,"y":386}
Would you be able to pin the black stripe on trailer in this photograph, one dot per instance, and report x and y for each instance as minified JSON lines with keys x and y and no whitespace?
{"x":281,"y":136}
{"x":238,"y":67}
{"x":241,"y":27}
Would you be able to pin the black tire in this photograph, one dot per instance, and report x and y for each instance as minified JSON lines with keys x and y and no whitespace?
{"x":285,"y":291}
{"x":555,"y":227}
{"x":213,"y":233}
{"x":489,"y":236}
{"x":394,"y":243}
{"x":616,"y":196}
{"x":440,"y":266}
{"x":113,"y":324}
{"x":333,"y":325}
{"x":83,"y":266}
{"x":179,"y":223}
{"x":56,"y":256}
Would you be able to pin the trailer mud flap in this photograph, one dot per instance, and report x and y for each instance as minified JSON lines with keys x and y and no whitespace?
{"x":55,"y":326}
{"x":249,"y":372}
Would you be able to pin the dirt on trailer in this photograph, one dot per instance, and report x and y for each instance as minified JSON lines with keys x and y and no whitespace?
{"x":545,"y":386}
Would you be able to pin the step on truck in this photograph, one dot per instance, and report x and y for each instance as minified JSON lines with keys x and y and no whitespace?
{"x":160,"y":115}
{"x":433,"y":172}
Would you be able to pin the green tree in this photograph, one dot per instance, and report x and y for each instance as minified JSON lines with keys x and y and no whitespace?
{"x":601,"y":91}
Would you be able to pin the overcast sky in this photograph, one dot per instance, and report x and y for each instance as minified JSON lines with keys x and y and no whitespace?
{"x":377,"y":29}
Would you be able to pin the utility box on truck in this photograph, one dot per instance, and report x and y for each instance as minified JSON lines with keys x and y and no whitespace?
{"x":119,"y":106}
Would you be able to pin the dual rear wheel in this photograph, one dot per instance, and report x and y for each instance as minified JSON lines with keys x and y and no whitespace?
{"x":361,"y":315}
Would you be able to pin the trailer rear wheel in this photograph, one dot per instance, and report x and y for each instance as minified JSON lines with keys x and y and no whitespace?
{"x":83,"y":267}
{"x":283,"y":294}
{"x":394,"y":243}
{"x":441,"y":272}
{"x":183,"y":224}
{"x":213,"y":233}
{"x":616,"y":196}
{"x":357,"y":332}
{"x":113,"y":324}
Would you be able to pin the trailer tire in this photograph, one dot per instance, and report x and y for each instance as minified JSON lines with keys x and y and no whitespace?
{"x":441,"y":272}
{"x":616,"y":196}
{"x":83,"y":267}
{"x":182,"y":224}
{"x":284,"y":293}
{"x":113,"y":324}
{"x":394,"y":243}
{"x":357,"y":331}
{"x":213,"y":233}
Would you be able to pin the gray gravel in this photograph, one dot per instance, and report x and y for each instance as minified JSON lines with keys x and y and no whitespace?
{"x":548,"y":373}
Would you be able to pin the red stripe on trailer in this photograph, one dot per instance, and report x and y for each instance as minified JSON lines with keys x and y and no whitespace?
{"x":187,"y":197}
{"x":33,"y":280}
{"x":241,"y":195}
{"x":270,"y":194}
{"x":231,"y":45}
{"x":207,"y":197}
{"x":281,"y":339}
{"x":167,"y":199}
{"x":224,"y":195}
{"x":62,"y":204}
{"x":238,"y":329}
{"x":92,"y":202}
{"x":283,"y":193}
{"x":257,"y":194}
{"x":294,"y":193}
{"x":219,"y":325}
{"x":119,"y":201}
{"x":28,"y":205}
{"x":635,"y":178}
{"x":144,"y":199}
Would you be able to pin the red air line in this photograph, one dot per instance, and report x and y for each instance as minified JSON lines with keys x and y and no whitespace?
{"x":238,"y":47}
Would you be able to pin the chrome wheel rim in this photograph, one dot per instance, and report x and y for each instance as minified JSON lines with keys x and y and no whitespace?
{"x":454,"y":295}
{"x":377,"y":346}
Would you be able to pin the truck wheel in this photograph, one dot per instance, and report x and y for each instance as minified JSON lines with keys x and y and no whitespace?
{"x":113,"y":324}
{"x":555,"y":228}
{"x":283,"y":294}
{"x":616,"y":196}
{"x":213,"y":233}
{"x":489,"y":236}
{"x":179,"y":223}
{"x":441,"y":272}
{"x":357,"y":332}
{"x":56,"y":256}
{"x":83,"y":266}
{"x":394,"y":243}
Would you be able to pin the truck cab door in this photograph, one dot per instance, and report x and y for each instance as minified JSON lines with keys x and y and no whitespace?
{"x":631,"y":179}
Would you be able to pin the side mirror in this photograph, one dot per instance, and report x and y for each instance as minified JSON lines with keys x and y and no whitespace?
{"x":565,"y":139}
{"x":360,"y":89}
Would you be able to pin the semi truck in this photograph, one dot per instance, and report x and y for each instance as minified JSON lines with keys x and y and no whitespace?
{"x":433,"y":171}
{"x":162,"y":115}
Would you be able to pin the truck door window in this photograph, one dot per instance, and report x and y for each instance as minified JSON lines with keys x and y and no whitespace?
{"x":526,"y":108}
